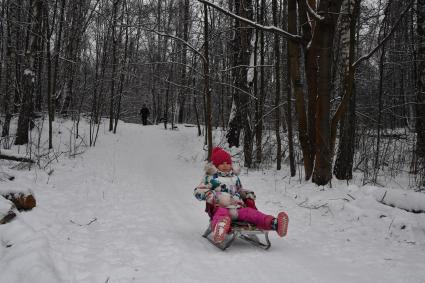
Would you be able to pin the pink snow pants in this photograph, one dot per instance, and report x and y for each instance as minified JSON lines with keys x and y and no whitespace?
{"x":246,"y":214}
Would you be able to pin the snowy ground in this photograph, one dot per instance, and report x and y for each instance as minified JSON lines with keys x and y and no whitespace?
{"x":124,"y":212}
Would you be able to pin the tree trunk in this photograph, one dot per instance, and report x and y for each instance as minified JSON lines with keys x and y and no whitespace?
{"x":10,"y":74}
{"x":277,"y":89}
{"x":57,"y":50}
{"x":29,"y":75}
{"x":239,"y":117}
{"x":195,"y":107}
{"x":124,"y":63}
{"x":343,"y":168}
{"x":167,"y":97}
{"x":47,"y":38}
{"x":114,"y":63}
{"x":259,"y":103}
{"x":376,"y":163}
{"x":297,"y":86}
{"x":325,"y":30}
{"x":184,"y":12}
{"x":323,"y":165}
{"x":420,"y":106}
{"x":72,"y":51}
{"x":207,"y":89}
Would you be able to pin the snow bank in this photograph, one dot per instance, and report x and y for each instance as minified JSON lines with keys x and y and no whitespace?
{"x":364,"y":209}
{"x":408,"y":200}
{"x":14,"y":188}
{"x":5,"y":206}
{"x":124,"y":212}
{"x":25,"y":254}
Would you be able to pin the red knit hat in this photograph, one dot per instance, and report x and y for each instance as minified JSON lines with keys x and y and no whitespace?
{"x":219,"y":156}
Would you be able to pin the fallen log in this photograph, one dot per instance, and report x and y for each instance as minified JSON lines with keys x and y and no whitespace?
{"x":21,"y":201}
{"x":8,"y":217}
{"x":16,"y":158}
{"x":409,"y":201}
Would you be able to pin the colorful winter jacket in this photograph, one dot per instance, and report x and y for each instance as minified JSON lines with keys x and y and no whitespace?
{"x":222,"y":189}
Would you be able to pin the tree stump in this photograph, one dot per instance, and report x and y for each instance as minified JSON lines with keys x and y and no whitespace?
{"x":21,"y":200}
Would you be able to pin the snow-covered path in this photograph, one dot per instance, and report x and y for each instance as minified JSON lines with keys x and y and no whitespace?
{"x":124,"y":212}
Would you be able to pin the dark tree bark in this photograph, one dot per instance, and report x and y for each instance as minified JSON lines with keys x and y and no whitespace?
{"x":10,"y":74}
{"x":125,"y":19}
{"x":298,"y":89}
{"x":29,"y":76}
{"x":185,"y":17}
{"x":39,"y":59}
{"x":379,"y":125}
{"x":239,"y":119}
{"x":343,"y":168}
{"x":207,"y":89}
{"x":277,"y":88}
{"x":57,"y":50}
{"x":114,"y":64}
{"x":325,"y":30}
{"x":420,"y":106}
{"x":259,"y":103}
{"x":47,"y":36}
{"x":195,"y":107}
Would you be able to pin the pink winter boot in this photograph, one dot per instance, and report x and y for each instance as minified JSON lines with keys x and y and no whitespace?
{"x":221,"y":229}
{"x":282,"y":224}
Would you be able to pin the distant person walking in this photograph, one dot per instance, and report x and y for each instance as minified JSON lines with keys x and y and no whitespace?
{"x":144,"y":112}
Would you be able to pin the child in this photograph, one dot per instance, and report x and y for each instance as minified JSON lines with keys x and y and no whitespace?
{"x":222,"y":189}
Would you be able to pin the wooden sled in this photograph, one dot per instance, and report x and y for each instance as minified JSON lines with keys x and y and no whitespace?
{"x":242,"y":230}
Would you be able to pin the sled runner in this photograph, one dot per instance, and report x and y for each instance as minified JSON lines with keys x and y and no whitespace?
{"x":242,"y":230}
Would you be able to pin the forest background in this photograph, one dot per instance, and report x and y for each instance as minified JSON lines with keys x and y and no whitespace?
{"x":326,"y":87}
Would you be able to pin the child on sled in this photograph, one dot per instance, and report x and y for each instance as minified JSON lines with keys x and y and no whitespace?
{"x":221,"y":188}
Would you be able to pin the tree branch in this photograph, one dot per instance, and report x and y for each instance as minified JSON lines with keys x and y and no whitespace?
{"x":287,"y":35}
{"x":173,"y":37}
{"x":367,"y":56}
{"x":313,"y":13}
{"x":16,"y":158}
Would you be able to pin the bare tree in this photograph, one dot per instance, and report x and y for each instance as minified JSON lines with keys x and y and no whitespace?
{"x":29,"y":75}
